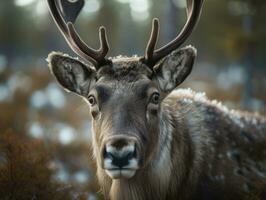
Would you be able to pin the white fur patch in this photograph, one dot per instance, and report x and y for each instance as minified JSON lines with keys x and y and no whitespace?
{"x":118,"y":173}
{"x":120,"y":152}
{"x":235,"y":115}
{"x":162,"y":165}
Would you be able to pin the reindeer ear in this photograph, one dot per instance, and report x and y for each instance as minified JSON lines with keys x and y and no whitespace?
{"x":71,"y":73}
{"x":172,"y":70}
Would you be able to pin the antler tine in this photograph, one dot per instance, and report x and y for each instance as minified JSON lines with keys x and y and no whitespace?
{"x":193,"y":13}
{"x":153,"y":40}
{"x":97,"y":57}
{"x":104,"y":45}
{"x":57,"y":17}
{"x":62,"y":26}
{"x":189,"y":6}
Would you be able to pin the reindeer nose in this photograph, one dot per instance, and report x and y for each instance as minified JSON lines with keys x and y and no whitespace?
{"x":120,"y":151}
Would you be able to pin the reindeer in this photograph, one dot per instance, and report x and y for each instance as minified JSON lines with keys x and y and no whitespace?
{"x":153,"y":141}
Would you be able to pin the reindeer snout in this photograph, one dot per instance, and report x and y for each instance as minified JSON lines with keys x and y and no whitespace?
{"x":120,"y":151}
{"x":120,"y":156}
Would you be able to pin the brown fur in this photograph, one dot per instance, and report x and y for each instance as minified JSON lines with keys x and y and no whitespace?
{"x":189,"y":147}
{"x":205,"y":134}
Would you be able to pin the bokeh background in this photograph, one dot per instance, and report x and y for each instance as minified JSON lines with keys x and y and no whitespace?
{"x":45,"y":132}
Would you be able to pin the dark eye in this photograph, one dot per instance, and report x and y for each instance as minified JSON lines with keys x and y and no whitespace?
{"x":91,"y":100}
{"x":155,"y":98}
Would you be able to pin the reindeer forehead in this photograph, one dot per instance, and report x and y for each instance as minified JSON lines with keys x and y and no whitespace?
{"x":125,"y":69}
{"x":123,"y":83}
{"x":124,"y":87}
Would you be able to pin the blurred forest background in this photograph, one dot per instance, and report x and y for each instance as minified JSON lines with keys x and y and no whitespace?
{"x":45,"y":132}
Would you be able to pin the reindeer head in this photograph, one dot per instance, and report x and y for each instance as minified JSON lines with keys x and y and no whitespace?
{"x":124,"y":93}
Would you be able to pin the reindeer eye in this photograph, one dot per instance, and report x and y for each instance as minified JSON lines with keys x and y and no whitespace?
{"x":155,"y":98}
{"x":91,"y":100}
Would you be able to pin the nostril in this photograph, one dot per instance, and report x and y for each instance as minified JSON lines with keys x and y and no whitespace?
{"x":131,"y":155}
{"x":108,"y":154}
{"x":119,"y":158}
{"x":120,"y":161}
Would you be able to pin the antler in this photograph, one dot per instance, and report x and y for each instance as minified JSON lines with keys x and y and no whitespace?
{"x":97,"y":57}
{"x":194,"y":8}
